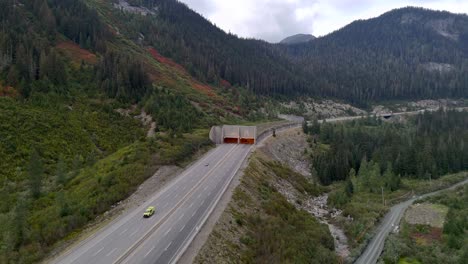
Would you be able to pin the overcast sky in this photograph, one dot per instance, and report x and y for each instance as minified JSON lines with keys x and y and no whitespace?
{"x":273,"y":20}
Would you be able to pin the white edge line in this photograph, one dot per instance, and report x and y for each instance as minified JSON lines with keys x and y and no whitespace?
{"x":149,"y":251}
{"x":97,"y":252}
{"x":120,"y":221}
{"x":192,"y":235}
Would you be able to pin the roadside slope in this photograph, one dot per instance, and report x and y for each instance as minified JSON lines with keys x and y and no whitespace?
{"x":261,"y":226}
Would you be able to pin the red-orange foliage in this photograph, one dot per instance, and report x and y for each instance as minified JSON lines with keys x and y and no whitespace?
{"x":225,"y":83}
{"x":8,"y":91}
{"x":76,"y":53}
{"x":435,"y":234}
{"x":166,"y":61}
{"x":206,"y":89}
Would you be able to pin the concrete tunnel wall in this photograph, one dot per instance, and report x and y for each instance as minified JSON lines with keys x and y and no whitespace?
{"x":234,"y":134}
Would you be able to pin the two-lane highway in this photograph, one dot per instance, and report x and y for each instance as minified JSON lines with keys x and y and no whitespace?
{"x":181,"y":208}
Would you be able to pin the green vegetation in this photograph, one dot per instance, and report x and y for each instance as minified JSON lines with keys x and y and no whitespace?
{"x":173,"y":112}
{"x":381,"y":163}
{"x":86,"y":164}
{"x":360,"y":63}
{"x":425,"y":147}
{"x":284,"y":234}
{"x":67,"y":154}
{"x":270,"y":229}
{"x":426,"y":244}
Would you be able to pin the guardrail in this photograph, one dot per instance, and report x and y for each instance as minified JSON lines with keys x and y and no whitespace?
{"x":264,"y":134}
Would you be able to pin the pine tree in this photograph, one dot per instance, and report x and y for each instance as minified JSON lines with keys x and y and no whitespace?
{"x":60,"y":173}
{"x":19,"y":222}
{"x":363,"y":175}
{"x":349,"y":187}
{"x":35,"y":172}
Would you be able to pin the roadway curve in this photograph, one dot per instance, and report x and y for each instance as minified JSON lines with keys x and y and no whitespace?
{"x":392,"y":218}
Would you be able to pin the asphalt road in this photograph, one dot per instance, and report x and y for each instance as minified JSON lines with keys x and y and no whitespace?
{"x":181,"y":208}
{"x":389,"y":222}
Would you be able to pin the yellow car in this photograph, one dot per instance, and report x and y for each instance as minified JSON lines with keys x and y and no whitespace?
{"x":149,"y":212}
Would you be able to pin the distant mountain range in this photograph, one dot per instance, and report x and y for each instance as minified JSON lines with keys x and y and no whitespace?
{"x":296,"y":39}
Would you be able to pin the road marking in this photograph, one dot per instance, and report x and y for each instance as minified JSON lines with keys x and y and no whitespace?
{"x":182,"y":229}
{"x":149,"y":251}
{"x":98,"y":237}
{"x":97,"y":252}
{"x":183,"y":247}
{"x":203,"y":202}
{"x":180,"y":217}
{"x":194,"y":213}
{"x":110,"y":253}
{"x":190,"y":205}
{"x":168,"y":246}
{"x":167,"y":232}
{"x":198,"y":197}
{"x":134,"y":232}
{"x":121,"y":233}
{"x":133,"y":248}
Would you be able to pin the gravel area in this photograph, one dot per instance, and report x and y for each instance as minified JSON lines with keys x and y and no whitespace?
{"x":426,"y":214}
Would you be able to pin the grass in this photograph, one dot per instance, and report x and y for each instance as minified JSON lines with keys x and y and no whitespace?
{"x":408,"y":261}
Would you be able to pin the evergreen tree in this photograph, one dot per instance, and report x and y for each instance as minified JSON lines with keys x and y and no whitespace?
{"x":19,"y":222}
{"x":349,"y":187}
{"x":60,"y":173}
{"x":35,"y":171}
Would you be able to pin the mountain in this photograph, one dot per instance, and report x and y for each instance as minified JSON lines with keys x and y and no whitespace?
{"x":409,"y":53}
{"x":406,"y":53}
{"x":88,"y":113}
{"x":296,"y":39}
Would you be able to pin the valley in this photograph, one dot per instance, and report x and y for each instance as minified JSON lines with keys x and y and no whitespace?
{"x":106,"y":108}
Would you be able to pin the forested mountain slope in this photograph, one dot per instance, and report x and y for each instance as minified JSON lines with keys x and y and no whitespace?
{"x":206,"y":51}
{"x":403,"y":54}
{"x":72,"y":137}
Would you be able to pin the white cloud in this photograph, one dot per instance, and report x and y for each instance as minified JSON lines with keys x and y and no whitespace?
{"x":272,"y":20}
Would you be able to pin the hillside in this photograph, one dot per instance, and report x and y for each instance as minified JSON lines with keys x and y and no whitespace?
{"x":403,"y":54}
{"x":410,"y":53}
{"x":77,"y":101}
{"x":262,"y":224}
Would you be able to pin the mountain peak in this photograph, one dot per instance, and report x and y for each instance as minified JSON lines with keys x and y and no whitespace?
{"x":298,"y":38}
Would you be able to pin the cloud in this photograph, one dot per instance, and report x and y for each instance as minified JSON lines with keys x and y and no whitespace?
{"x":273,"y":20}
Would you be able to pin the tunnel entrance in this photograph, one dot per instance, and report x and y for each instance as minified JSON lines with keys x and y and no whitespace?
{"x":234,"y":134}
{"x":247,"y":141}
{"x":231,"y":141}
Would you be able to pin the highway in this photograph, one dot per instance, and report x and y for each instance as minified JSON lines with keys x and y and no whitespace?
{"x":181,"y":208}
{"x":392,"y":218}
